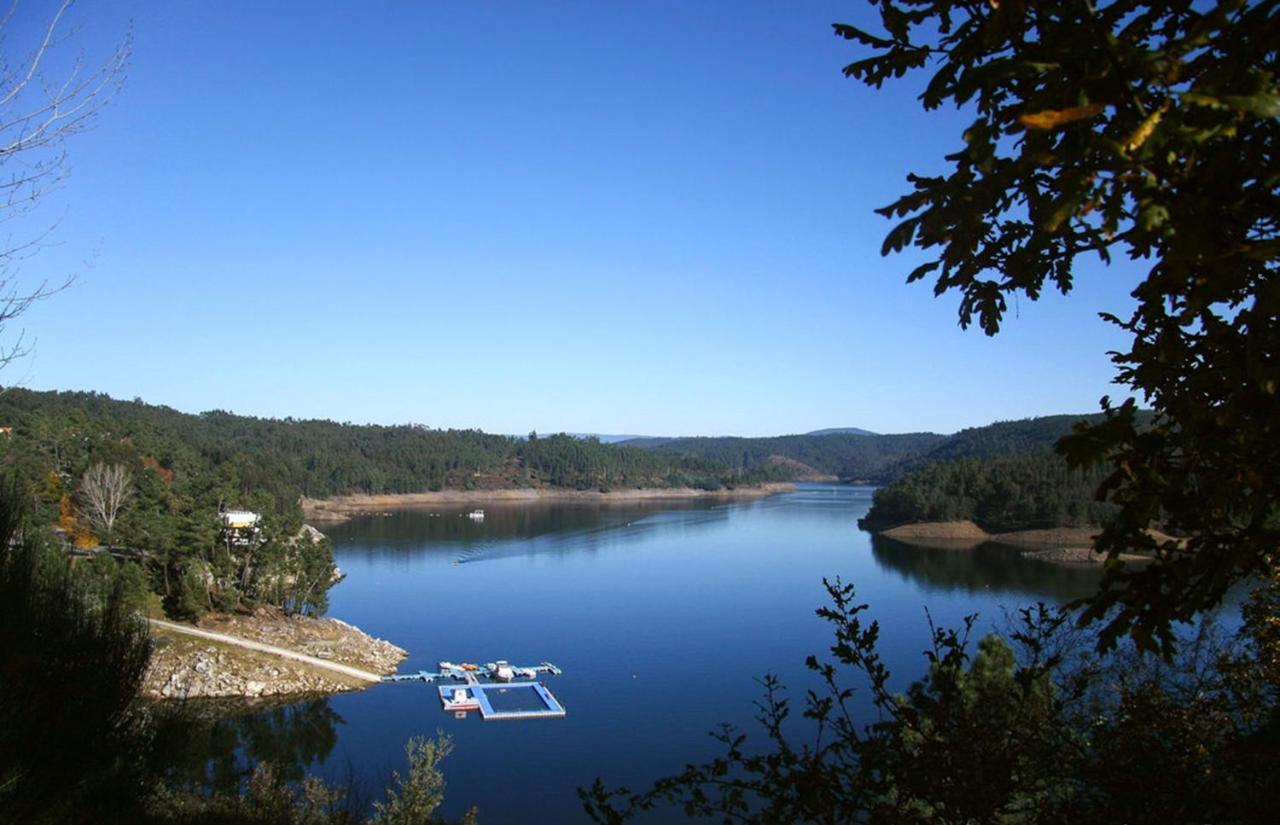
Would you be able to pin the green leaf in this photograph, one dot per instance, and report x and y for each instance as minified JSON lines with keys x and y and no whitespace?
{"x":939,"y":87}
{"x":1152,"y":216}
{"x":1263,"y":104}
{"x":1200,"y":99}
{"x":900,"y":236}
{"x":1063,"y":209}
{"x":922,"y":270}
{"x":1048,"y":119}
{"x":866,"y":38}
{"x":896,"y":22}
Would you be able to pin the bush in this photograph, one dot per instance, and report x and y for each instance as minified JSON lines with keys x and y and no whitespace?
{"x":1035,"y":727}
{"x":413,"y":800}
{"x":72,"y":657}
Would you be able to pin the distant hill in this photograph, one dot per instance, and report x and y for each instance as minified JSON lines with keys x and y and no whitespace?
{"x":606,"y":438}
{"x":844,"y":456}
{"x":799,"y":471}
{"x":651,"y":442}
{"x":854,"y":454}
{"x":1018,"y":437}
{"x":1004,"y":476}
{"x":1003,"y":438}
{"x":64,"y":432}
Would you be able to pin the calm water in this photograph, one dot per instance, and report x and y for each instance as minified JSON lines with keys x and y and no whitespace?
{"x":663,"y":617}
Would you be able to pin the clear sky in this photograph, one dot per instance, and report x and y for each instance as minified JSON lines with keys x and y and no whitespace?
{"x":642,"y":217}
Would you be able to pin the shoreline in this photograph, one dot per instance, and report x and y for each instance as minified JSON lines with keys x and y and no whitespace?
{"x":263,"y":655}
{"x":337,"y":509}
{"x":270,"y":656}
{"x":1071,"y":546}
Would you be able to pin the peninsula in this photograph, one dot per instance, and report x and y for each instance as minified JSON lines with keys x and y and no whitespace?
{"x":263,"y":654}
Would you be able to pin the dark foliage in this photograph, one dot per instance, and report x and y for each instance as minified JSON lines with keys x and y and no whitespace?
{"x":1149,"y":129}
{"x":72,"y":737}
{"x":1030,"y":491}
{"x":1004,"y":438}
{"x":1040,"y":730}
{"x":846,"y":456}
{"x":284,"y":458}
{"x":1144,"y":129}
{"x":875,"y":458}
{"x":184,"y":468}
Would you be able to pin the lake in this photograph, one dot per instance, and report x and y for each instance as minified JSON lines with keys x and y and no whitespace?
{"x":664,"y":617}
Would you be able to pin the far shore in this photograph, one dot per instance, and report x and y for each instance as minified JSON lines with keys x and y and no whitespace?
{"x":340,"y":508}
{"x":1060,"y":545}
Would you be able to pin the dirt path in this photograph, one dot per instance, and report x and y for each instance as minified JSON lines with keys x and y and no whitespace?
{"x":265,"y":648}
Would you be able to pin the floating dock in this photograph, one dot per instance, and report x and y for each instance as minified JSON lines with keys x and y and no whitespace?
{"x":517,"y":700}
{"x":492,"y":689}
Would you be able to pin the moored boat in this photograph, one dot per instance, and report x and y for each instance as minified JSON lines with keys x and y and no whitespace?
{"x":459,"y":699}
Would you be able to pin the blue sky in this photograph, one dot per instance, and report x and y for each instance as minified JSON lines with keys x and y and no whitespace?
{"x":598,"y":217}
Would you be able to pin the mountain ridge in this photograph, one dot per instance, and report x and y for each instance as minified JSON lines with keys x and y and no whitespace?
{"x":870,"y":457}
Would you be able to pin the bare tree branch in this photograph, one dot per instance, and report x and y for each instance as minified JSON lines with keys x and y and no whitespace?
{"x":45,"y":98}
{"x":104,"y":489}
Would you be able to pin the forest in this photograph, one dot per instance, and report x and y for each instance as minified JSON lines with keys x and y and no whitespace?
{"x":999,"y":494}
{"x":150,"y":482}
{"x":1003,"y":438}
{"x":179,"y":470}
{"x":850,"y":457}
{"x":1005,"y":476}
{"x":866,"y":457}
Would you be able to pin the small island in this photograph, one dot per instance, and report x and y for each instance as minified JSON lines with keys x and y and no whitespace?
{"x":1033,"y":502}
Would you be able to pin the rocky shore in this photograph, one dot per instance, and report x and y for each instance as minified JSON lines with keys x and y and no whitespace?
{"x":187,"y":667}
{"x":1059,"y":545}
{"x":960,"y":535}
{"x":341,"y":508}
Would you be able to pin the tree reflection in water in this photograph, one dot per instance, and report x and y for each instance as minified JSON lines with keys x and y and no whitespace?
{"x":212,"y":748}
{"x":988,"y":567}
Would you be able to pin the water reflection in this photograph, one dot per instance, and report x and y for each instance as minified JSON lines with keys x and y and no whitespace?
{"x":987,"y":568}
{"x":213,"y":748}
{"x":625,"y":598}
{"x":507,"y":530}
{"x":830,"y":507}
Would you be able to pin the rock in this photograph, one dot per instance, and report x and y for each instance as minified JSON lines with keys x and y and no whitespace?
{"x":308,"y":533}
{"x":939,"y":530}
{"x":188,"y":668}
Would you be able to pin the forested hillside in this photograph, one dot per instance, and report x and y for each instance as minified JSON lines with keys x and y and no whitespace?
{"x":863,"y":456}
{"x":1003,"y":438}
{"x":320,"y":458}
{"x":180,"y":470}
{"x":1004,"y":476}
{"x":846,"y":456}
{"x":1000,"y":494}
{"x":153,"y":481}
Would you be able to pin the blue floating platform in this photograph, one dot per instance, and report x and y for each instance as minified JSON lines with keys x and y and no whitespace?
{"x":514,"y":700}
